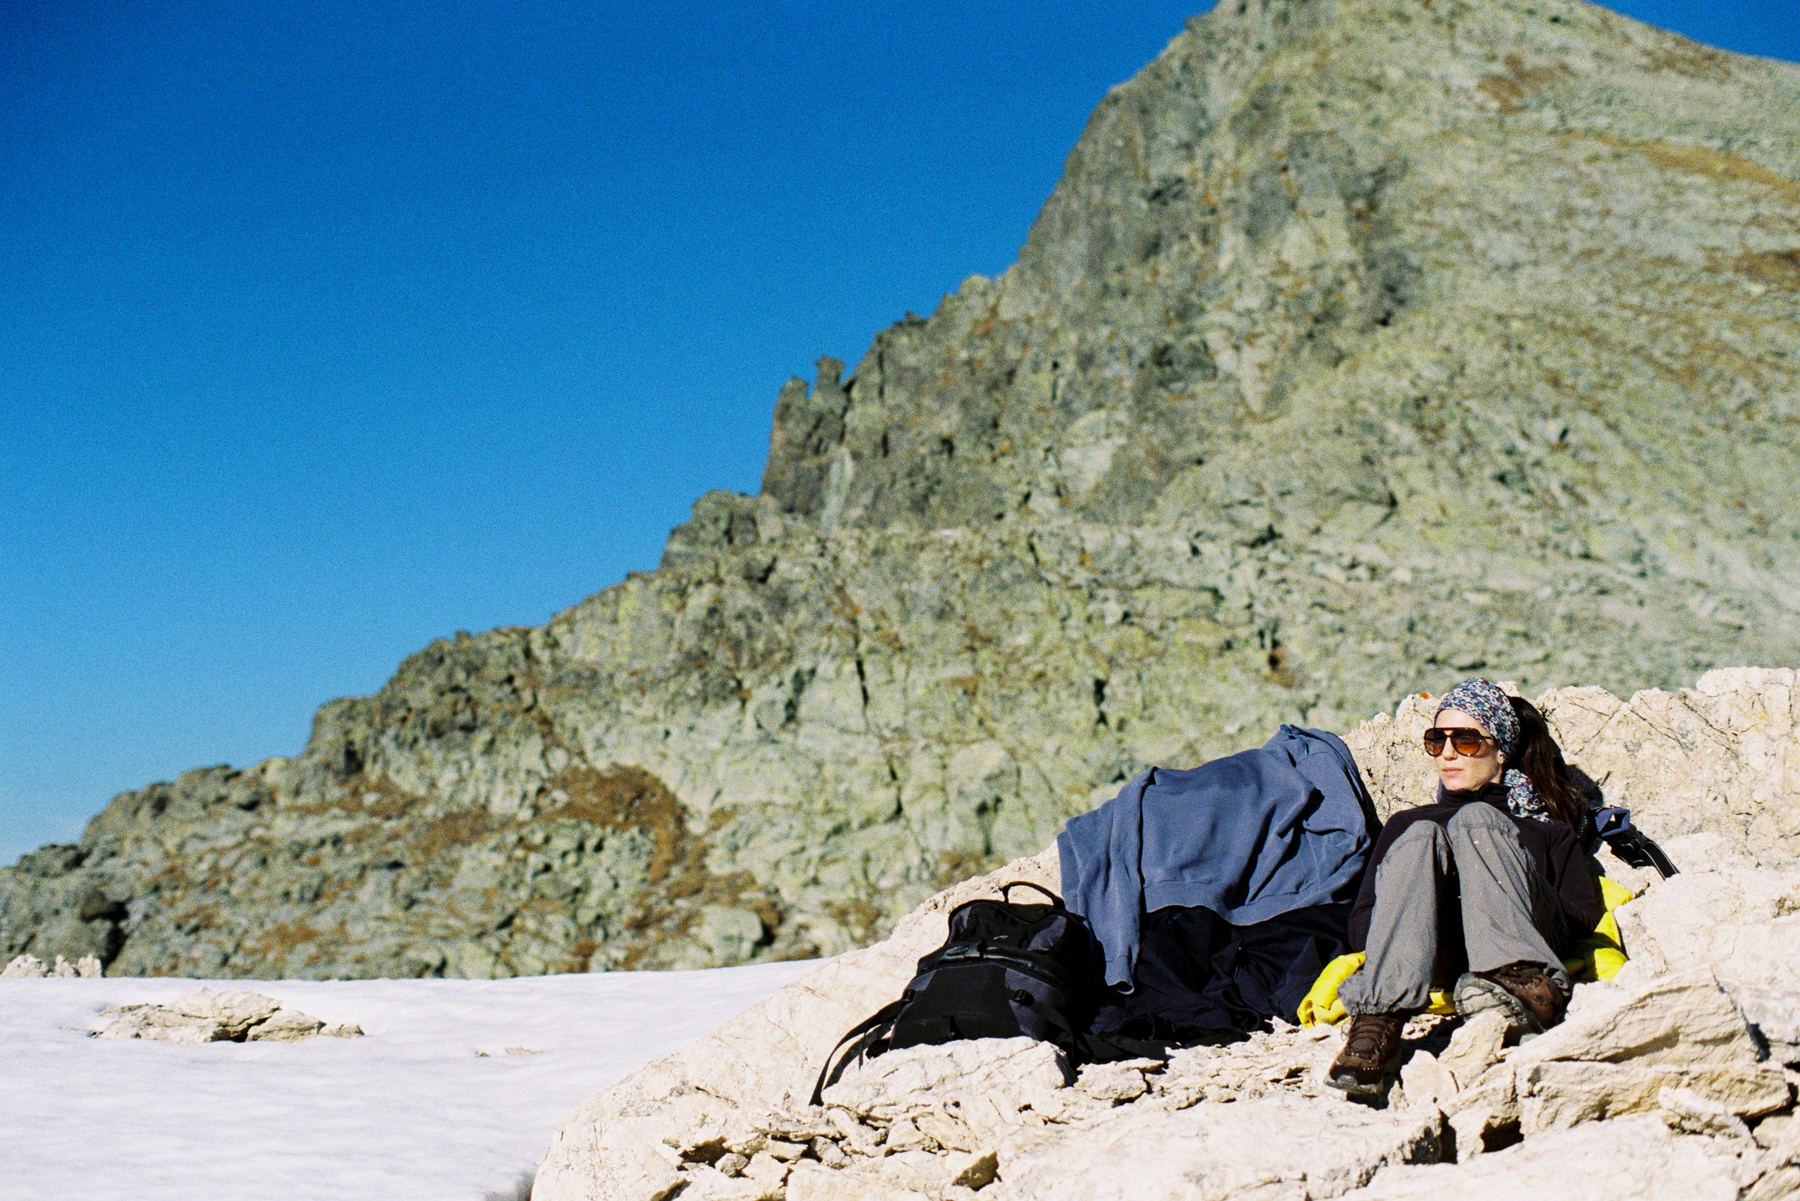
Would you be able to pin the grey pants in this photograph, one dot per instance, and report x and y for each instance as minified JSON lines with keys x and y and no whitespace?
{"x":1507,"y":911}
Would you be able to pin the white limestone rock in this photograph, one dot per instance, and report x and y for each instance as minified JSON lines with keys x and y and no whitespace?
{"x":1782,"y":1129}
{"x":1691,"y":1112}
{"x":1624,"y":1042}
{"x":906,"y":1174}
{"x":1271,"y":1147}
{"x":234,"y":1012}
{"x":1557,"y":1095}
{"x":284,"y":1025}
{"x":1117,"y":1083}
{"x":1475,"y":1046}
{"x":986,"y":1083}
{"x":1425,"y":1081}
{"x":1486,"y":1107}
{"x":207,"y":1015}
{"x":1684,"y":1019}
{"x":1742,"y":924}
{"x":1627,"y":1160}
{"x":159,"y":1024}
{"x":30,"y":967}
{"x":1780,"y":1165}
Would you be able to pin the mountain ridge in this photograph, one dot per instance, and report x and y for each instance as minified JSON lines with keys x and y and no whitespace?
{"x":1361,"y":346}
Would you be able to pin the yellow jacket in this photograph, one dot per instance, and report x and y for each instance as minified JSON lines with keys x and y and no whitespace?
{"x":1599,"y":956}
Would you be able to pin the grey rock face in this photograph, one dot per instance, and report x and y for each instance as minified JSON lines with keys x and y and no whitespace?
{"x":1361,"y":347}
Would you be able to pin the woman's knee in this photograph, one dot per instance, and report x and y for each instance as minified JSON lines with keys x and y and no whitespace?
{"x":1483,"y":831}
{"x":1479,"y":816}
{"x":1419,"y":842}
{"x":1419,"y":834}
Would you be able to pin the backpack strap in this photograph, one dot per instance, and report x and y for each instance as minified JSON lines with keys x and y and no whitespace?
{"x":1091,"y":1048}
{"x":1024,"y":1000}
{"x":864,"y":1032}
{"x":1054,"y":899}
{"x":1094,"y":1048}
{"x":1023,"y":962}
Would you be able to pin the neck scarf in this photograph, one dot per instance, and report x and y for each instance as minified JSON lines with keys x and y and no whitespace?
{"x":1483,"y":701}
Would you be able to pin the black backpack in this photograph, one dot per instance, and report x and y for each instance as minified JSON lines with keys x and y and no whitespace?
{"x":1006,"y":970}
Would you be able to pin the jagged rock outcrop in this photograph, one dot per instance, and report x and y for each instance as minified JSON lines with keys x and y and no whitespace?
{"x":1685,"y":1060}
{"x":30,"y":967}
{"x":1363,"y":344}
{"x":208,"y":1016}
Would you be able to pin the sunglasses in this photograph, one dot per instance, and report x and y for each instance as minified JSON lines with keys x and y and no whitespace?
{"x":1466,"y":741}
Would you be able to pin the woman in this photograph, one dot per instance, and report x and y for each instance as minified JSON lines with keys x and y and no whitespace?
{"x":1486,"y":887}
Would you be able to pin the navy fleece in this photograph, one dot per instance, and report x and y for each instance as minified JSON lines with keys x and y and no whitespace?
{"x":1249,"y":836}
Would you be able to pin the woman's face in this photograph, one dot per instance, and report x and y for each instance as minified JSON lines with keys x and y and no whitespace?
{"x":1465,"y":773}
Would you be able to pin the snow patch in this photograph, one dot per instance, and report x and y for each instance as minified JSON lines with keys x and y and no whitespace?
{"x":437,"y":1104}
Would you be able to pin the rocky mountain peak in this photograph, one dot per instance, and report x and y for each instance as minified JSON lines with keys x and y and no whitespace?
{"x":1344,"y":217}
{"x":1363,"y":345}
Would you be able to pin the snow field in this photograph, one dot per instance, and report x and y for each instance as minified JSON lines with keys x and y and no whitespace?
{"x":409,"y":1112}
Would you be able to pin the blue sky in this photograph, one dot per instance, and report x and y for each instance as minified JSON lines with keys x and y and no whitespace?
{"x":331,"y":329}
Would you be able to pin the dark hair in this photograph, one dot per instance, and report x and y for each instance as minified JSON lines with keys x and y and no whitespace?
{"x":1538,"y":756}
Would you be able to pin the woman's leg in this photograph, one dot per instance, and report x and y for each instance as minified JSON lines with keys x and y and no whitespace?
{"x":1508,"y":914}
{"x":1403,"y":929}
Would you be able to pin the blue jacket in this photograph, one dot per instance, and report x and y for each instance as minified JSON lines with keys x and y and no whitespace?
{"x":1249,"y":836}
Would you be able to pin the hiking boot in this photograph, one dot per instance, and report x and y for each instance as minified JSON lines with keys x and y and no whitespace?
{"x":1371,"y":1056}
{"x":1525,"y":995}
